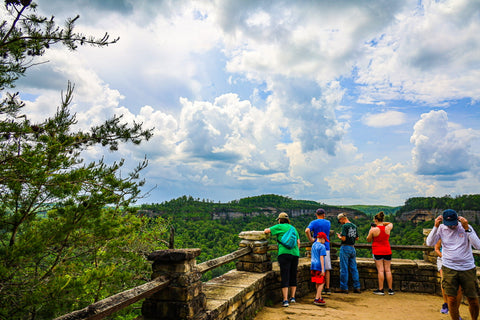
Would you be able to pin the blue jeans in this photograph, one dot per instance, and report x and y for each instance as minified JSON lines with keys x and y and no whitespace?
{"x":348,"y":260}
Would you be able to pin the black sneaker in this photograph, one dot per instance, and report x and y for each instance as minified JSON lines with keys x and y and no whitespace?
{"x":379,"y":292}
{"x":391,"y":292}
{"x":357,"y":291}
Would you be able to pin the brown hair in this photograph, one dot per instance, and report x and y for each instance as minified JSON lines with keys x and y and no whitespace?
{"x":380,"y":216}
{"x":283,"y":220}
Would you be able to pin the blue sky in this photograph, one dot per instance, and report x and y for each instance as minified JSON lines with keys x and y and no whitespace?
{"x":341,"y":102}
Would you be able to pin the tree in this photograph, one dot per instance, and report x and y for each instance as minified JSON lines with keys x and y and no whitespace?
{"x":65,"y":238}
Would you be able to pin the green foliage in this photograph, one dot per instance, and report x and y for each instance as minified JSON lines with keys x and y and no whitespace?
{"x":188,"y":207}
{"x":25,"y":35}
{"x":66,"y":261}
{"x":372,"y":210}
{"x":461,"y":202}
{"x":65,"y":242}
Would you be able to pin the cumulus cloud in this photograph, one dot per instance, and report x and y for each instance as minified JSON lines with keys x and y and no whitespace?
{"x":441,"y":149}
{"x":368,"y":182}
{"x":322,"y":36}
{"x":426,"y":55}
{"x":385,"y":119}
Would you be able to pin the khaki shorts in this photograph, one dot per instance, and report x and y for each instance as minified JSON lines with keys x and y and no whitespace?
{"x":328,"y":262}
{"x":452,"y":279}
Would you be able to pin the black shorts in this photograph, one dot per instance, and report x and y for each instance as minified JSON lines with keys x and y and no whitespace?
{"x":386,"y":257}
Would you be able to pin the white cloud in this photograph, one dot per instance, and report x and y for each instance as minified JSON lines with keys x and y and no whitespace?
{"x":371,"y":181}
{"x":426,"y":55}
{"x":385,"y":119}
{"x":441,"y":149}
{"x":315,"y":40}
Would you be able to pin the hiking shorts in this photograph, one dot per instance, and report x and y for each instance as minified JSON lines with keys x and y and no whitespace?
{"x":466,"y":279}
{"x":328,"y":261}
{"x":387,"y":257}
{"x":317,"y":277}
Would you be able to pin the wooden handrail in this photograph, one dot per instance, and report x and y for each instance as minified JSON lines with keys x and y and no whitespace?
{"x":214,"y":263}
{"x":107,"y":306}
{"x":273,"y":247}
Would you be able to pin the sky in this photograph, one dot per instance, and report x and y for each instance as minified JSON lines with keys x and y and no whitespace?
{"x":341,"y":102}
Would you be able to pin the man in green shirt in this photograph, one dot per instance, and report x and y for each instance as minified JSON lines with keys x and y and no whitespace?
{"x":348,"y":255}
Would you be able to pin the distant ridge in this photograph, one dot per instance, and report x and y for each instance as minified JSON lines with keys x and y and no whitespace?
{"x":372,"y":210}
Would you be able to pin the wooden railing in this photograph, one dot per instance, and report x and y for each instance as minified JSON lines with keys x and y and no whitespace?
{"x":274,"y":247}
{"x":215,"y":263}
{"x":105,"y":307}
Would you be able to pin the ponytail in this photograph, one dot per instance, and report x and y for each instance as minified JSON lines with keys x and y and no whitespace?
{"x":380,"y":216}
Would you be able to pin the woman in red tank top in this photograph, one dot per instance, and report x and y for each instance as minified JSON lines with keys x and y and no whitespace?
{"x":382,"y":253}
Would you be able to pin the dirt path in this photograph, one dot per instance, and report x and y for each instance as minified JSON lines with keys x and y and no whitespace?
{"x":364,"y":306}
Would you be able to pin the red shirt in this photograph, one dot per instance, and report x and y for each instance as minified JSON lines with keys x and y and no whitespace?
{"x":380,"y":244}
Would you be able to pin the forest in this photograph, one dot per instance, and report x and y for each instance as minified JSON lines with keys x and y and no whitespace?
{"x":194,"y":227}
{"x":461,"y":202}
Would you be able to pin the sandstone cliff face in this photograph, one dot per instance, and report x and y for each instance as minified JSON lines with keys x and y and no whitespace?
{"x":419,"y":215}
{"x":331,"y":213}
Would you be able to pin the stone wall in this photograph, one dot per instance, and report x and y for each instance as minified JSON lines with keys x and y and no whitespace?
{"x":408,"y":275}
{"x":240,"y":294}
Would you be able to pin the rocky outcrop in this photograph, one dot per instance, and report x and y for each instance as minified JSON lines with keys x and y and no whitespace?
{"x":270,"y":211}
{"x":420,"y":215}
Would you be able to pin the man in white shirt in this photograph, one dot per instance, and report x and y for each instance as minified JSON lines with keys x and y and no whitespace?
{"x":458,"y":267}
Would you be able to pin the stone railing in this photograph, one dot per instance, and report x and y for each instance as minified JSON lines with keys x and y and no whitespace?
{"x":176,"y":291}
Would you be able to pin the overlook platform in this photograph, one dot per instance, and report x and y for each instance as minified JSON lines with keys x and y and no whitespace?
{"x":364,"y":306}
{"x":417,"y":294}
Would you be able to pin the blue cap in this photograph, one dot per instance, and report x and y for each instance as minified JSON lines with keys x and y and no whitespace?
{"x":450,"y":217}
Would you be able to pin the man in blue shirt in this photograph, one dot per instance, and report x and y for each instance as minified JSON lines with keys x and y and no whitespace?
{"x":321,"y":225}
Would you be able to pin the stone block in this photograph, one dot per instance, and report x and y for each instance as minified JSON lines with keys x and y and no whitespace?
{"x":186,"y":279}
{"x":260,"y":243}
{"x":253,"y":267}
{"x":181,"y":294}
{"x":174,"y":255}
{"x":248,"y":295}
{"x":164,"y":268}
{"x":253,"y":243}
{"x":255,"y":258}
{"x":260,"y":250}
{"x":232,"y":307}
{"x":170,"y":310}
{"x":253,"y":235}
{"x":418,"y":286}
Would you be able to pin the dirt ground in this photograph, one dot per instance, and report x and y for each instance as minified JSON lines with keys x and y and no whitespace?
{"x":364,"y":306}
